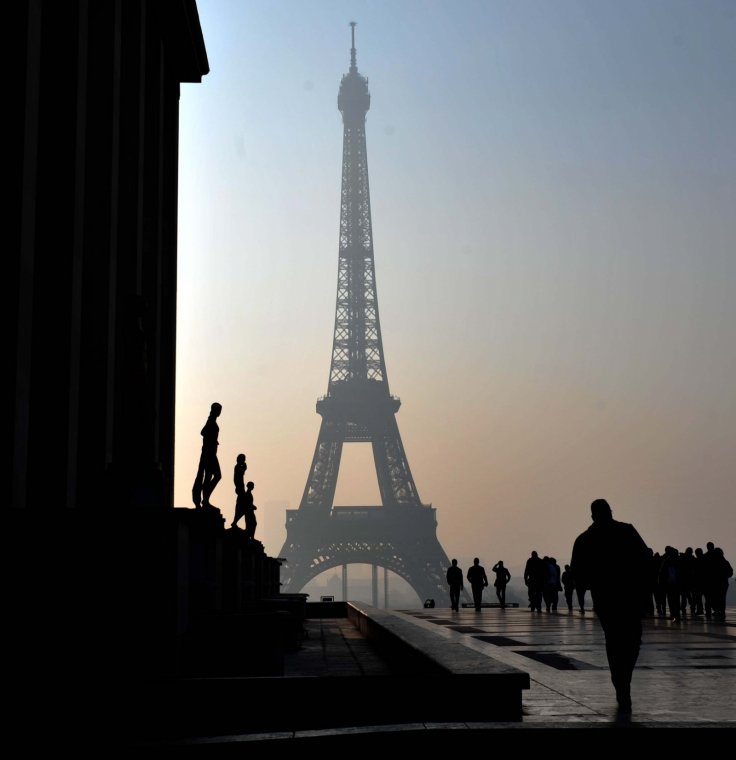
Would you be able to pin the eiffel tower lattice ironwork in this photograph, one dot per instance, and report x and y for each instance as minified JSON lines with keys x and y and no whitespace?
{"x":401,"y":534}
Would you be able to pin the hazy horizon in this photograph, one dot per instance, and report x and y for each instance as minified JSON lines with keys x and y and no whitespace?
{"x":553,"y":190}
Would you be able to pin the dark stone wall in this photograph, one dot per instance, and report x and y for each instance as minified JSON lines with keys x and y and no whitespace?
{"x":107,"y":585}
{"x":94,"y":177}
{"x":92,"y":117}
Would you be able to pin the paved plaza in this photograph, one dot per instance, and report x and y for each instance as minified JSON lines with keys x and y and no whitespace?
{"x":686,"y":671}
{"x":685,"y":680}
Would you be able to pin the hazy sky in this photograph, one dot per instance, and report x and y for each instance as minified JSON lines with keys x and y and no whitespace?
{"x":553,"y":189}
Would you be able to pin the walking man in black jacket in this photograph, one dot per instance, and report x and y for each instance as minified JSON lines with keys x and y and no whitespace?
{"x":612,"y":560}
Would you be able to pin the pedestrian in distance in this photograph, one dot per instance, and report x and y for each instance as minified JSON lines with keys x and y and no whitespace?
{"x":455,"y":581}
{"x":478,"y":581}
{"x":503,"y":576}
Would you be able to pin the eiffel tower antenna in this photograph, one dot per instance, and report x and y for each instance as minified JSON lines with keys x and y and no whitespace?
{"x":353,"y":64}
{"x":401,"y":533}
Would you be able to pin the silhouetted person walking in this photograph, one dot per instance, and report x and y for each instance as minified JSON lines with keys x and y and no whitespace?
{"x":455,"y":580}
{"x":478,"y":581}
{"x":208,"y":472}
{"x":698,"y":582}
{"x":686,"y":570}
{"x":238,"y":475}
{"x":552,"y":586}
{"x":503,"y":576}
{"x":596,"y":564}
{"x":722,"y":571}
{"x":534,"y":575}
{"x":652,"y":584}
{"x":669,"y":579}
{"x":709,"y":577}
{"x":568,"y":584}
{"x":660,"y":593}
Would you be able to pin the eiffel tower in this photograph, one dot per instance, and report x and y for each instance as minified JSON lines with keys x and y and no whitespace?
{"x":401,"y":534}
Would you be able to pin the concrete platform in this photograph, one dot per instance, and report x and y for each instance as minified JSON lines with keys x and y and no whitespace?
{"x":685,"y":681}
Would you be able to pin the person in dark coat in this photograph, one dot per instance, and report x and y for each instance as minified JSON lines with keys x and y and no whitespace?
{"x":709,"y":578}
{"x":503,"y":576}
{"x":568,"y":583}
{"x":478,"y":581}
{"x":722,"y":571}
{"x":455,"y":581}
{"x":698,"y":582}
{"x":534,"y":576}
{"x":610,"y":558}
{"x":660,"y":592}
{"x":552,"y":585}
{"x":669,"y":580}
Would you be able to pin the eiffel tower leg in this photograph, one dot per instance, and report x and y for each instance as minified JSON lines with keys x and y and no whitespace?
{"x":395,"y":481}
{"x":319,"y":492}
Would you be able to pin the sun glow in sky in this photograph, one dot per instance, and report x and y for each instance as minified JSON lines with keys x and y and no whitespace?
{"x":553,"y":191}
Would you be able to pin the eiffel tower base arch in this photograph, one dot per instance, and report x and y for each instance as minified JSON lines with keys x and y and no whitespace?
{"x":402,"y":540}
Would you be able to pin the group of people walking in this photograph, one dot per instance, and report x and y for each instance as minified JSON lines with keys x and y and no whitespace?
{"x":544,"y":581}
{"x":542,"y":576}
{"x":478,"y":581}
{"x":693,"y":581}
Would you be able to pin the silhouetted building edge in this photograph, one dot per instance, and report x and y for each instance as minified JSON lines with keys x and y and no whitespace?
{"x":93,"y":119}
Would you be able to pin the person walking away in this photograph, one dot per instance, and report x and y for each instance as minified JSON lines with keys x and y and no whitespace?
{"x":669,"y":578}
{"x":722,"y":572}
{"x":478,"y":581}
{"x":534,"y":573}
{"x":606,"y":558}
{"x":455,"y":581}
{"x":568,"y":584}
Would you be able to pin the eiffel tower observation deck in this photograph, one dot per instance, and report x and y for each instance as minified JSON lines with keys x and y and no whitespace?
{"x":400,"y":534}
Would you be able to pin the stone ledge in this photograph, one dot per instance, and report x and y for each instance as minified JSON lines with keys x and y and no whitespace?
{"x":424,"y":659}
{"x":433,"y":653}
{"x":432,"y":679}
